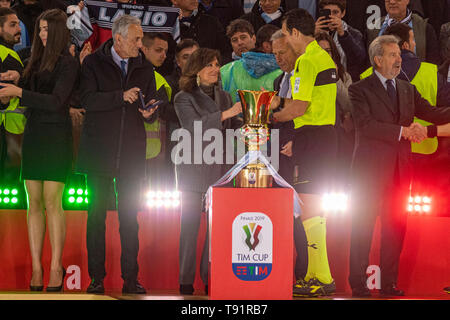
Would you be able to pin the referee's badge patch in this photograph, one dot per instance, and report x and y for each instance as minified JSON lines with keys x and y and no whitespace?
{"x":297,"y":85}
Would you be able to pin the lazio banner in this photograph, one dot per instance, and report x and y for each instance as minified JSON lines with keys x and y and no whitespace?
{"x":154,"y":19}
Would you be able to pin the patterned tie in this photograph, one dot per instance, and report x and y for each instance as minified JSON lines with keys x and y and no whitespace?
{"x":123,"y":65}
{"x":392,"y":93}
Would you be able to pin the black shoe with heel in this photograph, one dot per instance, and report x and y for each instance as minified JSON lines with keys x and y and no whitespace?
{"x":36,"y":288}
{"x":59,"y":288}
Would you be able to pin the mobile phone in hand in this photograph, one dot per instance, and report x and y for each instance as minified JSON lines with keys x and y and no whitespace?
{"x":326,"y":13}
{"x":153,"y":105}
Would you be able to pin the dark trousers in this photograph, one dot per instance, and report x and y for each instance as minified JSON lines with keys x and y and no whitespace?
{"x":128,"y":198}
{"x":390,"y":204}
{"x":300,"y":241}
{"x":191,"y":211}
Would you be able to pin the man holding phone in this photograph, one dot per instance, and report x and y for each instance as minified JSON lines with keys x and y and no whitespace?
{"x":348,"y":40}
{"x":113,"y":144}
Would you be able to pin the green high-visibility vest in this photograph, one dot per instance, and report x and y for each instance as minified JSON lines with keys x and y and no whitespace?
{"x":13,"y":116}
{"x":425,"y":82}
{"x":152,"y":130}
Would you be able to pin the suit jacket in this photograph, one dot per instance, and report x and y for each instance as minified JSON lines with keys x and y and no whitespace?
{"x":378,"y":149}
{"x":287,"y":129}
{"x":113,"y":138}
{"x":197,"y":106}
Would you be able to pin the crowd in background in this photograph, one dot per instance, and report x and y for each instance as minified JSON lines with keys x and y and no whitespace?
{"x":231,"y":45}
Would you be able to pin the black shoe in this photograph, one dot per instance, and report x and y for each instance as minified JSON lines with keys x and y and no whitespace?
{"x":362,"y":292}
{"x":186,"y":289}
{"x":133,"y":287}
{"x":59,"y":288}
{"x":36,"y":288}
{"x":96,"y":286}
{"x":447,"y":289}
{"x":392,"y":291}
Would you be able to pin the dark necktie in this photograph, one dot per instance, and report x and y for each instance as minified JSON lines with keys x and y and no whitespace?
{"x":392,"y":93}
{"x":123,"y":65}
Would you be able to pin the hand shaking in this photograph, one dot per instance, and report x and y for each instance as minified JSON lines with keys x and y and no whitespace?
{"x":415,"y":132}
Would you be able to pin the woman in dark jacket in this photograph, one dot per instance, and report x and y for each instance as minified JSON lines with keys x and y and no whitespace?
{"x":201,"y":102}
{"x":48,"y":82}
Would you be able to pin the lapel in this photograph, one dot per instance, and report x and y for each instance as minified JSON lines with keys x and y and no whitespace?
{"x":402,"y":94}
{"x":381,"y":92}
{"x":204,"y":104}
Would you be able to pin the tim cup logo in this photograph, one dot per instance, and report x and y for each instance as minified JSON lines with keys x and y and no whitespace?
{"x":250,"y":230}
{"x":74,"y":19}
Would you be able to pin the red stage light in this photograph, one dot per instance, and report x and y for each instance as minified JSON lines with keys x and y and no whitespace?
{"x":419,"y":204}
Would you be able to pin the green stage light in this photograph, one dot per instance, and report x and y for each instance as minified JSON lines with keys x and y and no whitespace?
{"x":86,"y":200}
{"x":80,"y":192}
{"x":6,"y":191}
{"x":14,"y":200}
{"x":6,"y":200}
{"x":14,"y":192}
{"x":79,"y":200}
{"x":72,"y":199}
{"x":86,"y":192}
{"x":71,"y":191}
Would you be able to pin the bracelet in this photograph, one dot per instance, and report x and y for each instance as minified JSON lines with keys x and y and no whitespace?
{"x":431,"y":131}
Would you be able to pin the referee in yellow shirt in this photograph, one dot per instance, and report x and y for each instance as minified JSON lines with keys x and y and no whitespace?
{"x":314,"y":148}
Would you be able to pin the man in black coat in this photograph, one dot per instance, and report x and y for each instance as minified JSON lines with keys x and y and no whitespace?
{"x":113,"y":144}
{"x":383,"y":111}
{"x":265,"y":12}
{"x":203,"y":28}
{"x":225,"y":10}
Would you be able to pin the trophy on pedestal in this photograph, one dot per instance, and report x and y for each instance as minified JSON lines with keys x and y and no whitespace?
{"x":255,"y":107}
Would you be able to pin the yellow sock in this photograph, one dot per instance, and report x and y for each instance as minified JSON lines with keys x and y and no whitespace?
{"x":316,"y":231}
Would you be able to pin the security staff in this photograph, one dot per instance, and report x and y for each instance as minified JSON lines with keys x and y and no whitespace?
{"x":155,"y":47}
{"x":12,"y":119}
{"x":313,"y":110}
{"x":424,"y":76}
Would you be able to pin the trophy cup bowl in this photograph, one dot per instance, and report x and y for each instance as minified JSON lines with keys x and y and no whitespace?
{"x":255,"y":108}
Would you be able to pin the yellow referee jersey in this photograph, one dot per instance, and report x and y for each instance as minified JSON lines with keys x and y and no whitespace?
{"x":314,"y":81}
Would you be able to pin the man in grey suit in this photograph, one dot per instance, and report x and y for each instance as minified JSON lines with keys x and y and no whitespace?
{"x":383,"y":110}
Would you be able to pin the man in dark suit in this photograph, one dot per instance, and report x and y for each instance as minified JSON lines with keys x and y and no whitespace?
{"x":383,"y":111}
{"x":113,"y":143}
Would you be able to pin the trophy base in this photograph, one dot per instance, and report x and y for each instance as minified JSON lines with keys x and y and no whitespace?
{"x":254,"y":176}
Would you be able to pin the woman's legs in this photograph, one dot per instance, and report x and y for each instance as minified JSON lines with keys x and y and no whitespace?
{"x":56,"y":227}
{"x":36,"y":227}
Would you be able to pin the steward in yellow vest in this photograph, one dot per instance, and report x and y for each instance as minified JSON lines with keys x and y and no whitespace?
{"x":12,"y":114}
{"x":12,"y":118}
{"x":153,"y":129}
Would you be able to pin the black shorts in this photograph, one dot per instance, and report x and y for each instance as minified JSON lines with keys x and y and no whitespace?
{"x":314,"y":154}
